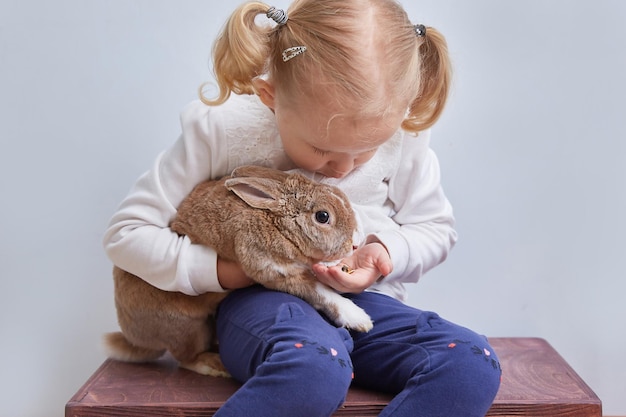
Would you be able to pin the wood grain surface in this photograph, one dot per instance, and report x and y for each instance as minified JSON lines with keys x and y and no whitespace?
{"x":536,"y":382}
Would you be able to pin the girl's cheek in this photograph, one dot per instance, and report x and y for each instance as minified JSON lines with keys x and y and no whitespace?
{"x":311,"y":163}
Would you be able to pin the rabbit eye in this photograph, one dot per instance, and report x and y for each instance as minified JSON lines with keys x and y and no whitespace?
{"x":322,"y":217}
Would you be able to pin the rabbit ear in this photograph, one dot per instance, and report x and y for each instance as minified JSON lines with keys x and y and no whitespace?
{"x":262,"y":193}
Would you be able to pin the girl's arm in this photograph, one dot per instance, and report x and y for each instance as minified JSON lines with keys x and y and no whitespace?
{"x":139,"y":239}
{"x":426,"y":233}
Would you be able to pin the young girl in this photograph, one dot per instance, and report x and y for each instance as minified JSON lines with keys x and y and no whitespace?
{"x":346,"y":91}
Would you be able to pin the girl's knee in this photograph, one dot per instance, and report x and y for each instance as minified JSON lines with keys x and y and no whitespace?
{"x":318,"y":353}
{"x":294,"y":350}
{"x":315,"y":374}
{"x":319,"y":363}
{"x":474,"y":368}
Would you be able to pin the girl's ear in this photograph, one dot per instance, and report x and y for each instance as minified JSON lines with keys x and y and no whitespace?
{"x":265,"y":90}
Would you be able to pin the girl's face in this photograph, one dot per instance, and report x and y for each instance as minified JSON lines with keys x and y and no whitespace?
{"x":323,"y":141}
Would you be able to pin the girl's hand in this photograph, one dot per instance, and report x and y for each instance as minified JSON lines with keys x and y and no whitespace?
{"x":366,"y":266}
{"x":231,"y":276}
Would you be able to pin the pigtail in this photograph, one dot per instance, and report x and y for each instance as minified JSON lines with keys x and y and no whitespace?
{"x":239,"y":53}
{"x":435,"y":79}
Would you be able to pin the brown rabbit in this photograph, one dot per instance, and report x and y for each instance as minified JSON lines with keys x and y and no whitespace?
{"x":276,"y":225}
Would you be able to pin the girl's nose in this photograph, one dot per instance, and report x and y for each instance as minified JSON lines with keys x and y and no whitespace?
{"x":341,"y":166}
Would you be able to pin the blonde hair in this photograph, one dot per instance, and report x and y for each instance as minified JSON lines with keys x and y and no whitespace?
{"x":366,"y":53}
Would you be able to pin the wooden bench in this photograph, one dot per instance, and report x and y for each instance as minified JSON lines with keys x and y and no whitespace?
{"x":536,"y":382}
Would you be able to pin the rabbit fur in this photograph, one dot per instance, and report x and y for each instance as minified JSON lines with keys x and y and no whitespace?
{"x":276,"y":225}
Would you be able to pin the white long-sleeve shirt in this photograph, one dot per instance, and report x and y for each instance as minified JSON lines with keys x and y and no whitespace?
{"x":396,"y":195}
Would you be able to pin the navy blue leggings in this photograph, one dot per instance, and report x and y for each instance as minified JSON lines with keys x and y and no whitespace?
{"x":292,"y":362}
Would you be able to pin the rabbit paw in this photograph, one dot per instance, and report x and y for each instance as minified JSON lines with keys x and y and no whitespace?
{"x":342,"y":311}
{"x":207,"y":363}
{"x":353,"y":317}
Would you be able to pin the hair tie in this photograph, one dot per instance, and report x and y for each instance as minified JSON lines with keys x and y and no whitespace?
{"x":420,"y":30}
{"x":277,"y":15}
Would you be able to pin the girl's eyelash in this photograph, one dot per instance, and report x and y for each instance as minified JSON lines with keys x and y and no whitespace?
{"x":319,"y":151}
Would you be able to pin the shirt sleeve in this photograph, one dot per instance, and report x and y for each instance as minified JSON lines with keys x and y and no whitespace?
{"x":426,"y":231}
{"x":139,"y":239}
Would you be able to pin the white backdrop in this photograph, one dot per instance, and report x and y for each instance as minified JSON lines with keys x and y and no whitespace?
{"x":531,"y":146}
